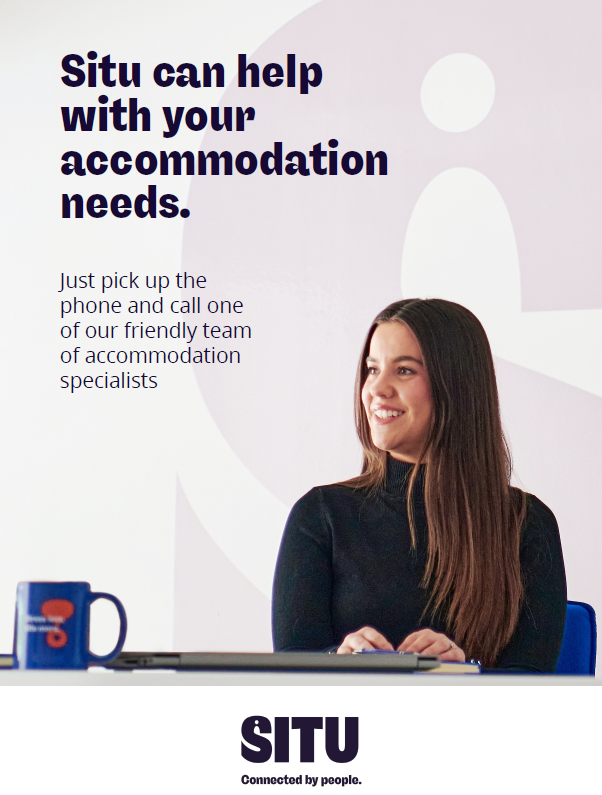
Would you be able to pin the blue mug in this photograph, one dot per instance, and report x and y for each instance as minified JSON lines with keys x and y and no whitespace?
{"x":52,"y":626}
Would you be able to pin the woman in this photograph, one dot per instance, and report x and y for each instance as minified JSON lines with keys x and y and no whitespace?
{"x":429,"y":549}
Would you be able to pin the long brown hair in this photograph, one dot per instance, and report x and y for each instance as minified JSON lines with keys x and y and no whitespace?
{"x":474,"y":516}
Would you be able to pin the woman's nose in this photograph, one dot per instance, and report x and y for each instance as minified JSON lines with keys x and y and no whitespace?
{"x":382,"y":386}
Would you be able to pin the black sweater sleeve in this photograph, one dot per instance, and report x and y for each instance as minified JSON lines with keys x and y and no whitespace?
{"x":301,"y":609}
{"x":536,"y":643}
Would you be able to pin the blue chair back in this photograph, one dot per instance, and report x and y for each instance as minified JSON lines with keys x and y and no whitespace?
{"x":578,"y":654}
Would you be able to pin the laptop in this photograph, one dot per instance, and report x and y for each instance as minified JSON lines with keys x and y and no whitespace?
{"x":283,"y":661}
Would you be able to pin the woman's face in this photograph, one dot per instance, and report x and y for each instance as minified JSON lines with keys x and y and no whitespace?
{"x":397,"y":394}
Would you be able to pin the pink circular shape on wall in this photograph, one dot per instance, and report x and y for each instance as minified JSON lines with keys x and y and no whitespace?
{"x":313,"y":259}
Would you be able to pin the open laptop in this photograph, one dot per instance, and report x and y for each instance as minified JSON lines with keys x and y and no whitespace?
{"x":284,"y":661}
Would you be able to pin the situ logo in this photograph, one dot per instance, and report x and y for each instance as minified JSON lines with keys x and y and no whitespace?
{"x":256,"y":747}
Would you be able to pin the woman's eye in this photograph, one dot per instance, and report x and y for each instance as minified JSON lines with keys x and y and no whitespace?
{"x":371,"y":370}
{"x":405,"y":371}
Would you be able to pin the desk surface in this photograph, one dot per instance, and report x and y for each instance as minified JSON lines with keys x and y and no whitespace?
{"x":101,"y":677}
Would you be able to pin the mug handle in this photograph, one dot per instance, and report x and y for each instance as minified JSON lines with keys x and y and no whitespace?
{"x":95,"y":658}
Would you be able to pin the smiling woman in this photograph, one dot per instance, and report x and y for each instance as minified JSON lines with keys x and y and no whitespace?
{"x":429,"y":549}
{"x":396,"y":394}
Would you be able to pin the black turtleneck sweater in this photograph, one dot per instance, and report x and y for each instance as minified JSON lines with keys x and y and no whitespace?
{"x":346,"y":561}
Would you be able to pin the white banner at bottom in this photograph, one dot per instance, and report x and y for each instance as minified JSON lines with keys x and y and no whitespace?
{"x":242,"y":740}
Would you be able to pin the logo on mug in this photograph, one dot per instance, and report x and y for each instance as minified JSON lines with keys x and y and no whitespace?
{"x":54,"y":613}
{"x":57,"y":611}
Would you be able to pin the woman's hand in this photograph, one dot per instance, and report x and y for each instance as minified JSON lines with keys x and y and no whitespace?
{"x":364,"y":638}
{"x":427,"y":641}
